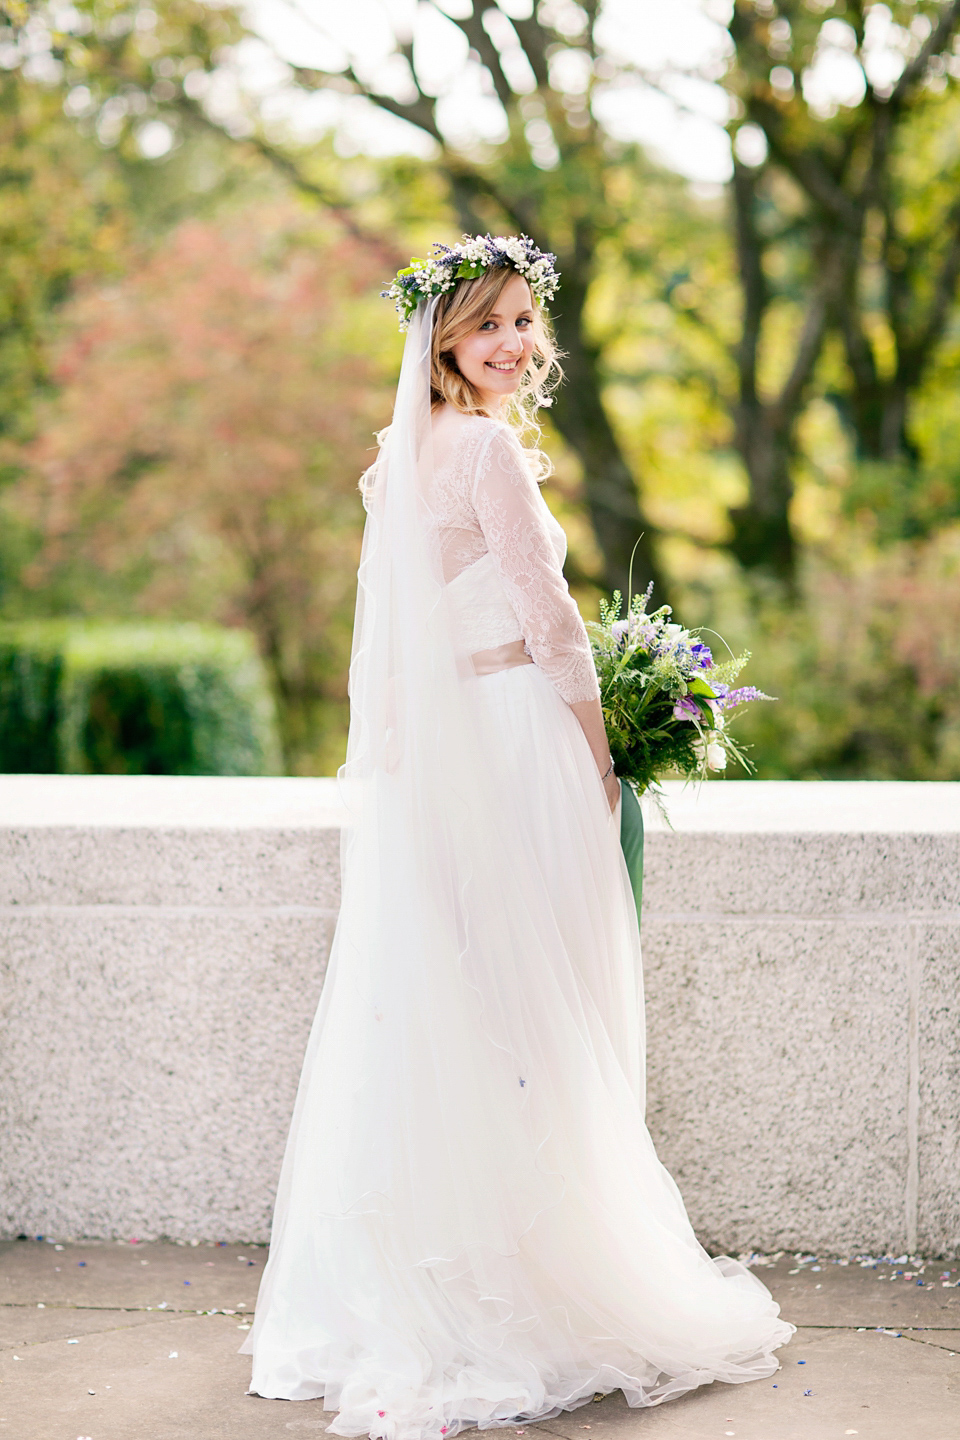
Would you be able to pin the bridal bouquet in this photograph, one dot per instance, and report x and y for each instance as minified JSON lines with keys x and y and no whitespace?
{"x":666,"y":701}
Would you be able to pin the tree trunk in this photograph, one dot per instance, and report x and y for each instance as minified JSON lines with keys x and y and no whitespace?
{"x":609,"y":485}
{"x":762,"y":538}
{"x":877,"y":412}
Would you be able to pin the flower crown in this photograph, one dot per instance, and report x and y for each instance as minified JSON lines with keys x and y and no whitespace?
{"x":467,"y":261}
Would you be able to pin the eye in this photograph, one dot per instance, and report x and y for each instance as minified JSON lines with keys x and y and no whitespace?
{"x":488,"y":325}
{"x":525,"y":320}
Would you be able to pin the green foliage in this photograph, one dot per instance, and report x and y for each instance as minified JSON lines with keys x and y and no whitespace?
{"x":133,"y":699}
{"x":202,"y":362}
{"x":866,"y":662}
{"x":79,"y":87}
{"x":59,"y":219}
{"x":31,"y":670}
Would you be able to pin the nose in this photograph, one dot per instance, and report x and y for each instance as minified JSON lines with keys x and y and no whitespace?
{"x":512,"y":344}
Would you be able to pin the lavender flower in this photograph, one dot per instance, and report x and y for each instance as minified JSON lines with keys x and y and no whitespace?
{"x":742,"y":696}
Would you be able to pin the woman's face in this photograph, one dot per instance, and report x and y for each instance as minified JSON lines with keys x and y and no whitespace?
{"x":494,"y":357}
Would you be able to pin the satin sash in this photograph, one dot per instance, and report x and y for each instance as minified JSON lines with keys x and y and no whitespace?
{"x":503,"y":657}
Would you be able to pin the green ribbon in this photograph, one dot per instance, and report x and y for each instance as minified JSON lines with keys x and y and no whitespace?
{"x":631,"y":840}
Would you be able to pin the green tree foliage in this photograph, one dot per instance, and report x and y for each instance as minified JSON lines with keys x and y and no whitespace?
{"x":80,"y":87}
{"x":844,"y":204}
{"x":866,"y":663}
{"x":210,"y":362}
{"x":60,"y":218}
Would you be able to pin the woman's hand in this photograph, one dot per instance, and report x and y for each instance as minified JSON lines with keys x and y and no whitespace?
{"x":590,"y":716}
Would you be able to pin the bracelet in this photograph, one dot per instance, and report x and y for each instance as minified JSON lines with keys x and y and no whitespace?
{"x":608,"y":773}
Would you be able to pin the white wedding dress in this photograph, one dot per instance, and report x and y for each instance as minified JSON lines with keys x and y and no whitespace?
{"x":472,"y":1225}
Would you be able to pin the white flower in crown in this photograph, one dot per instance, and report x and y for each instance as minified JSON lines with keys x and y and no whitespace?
{"x":467,"y":261}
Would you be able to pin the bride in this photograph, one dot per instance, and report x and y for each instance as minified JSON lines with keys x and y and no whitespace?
{"x":472,"y":1225}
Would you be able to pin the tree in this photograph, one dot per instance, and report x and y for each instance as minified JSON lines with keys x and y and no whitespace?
{"x":553,"y":175}
{"x":844,"y":125}
{"x":79,"y":88}
{"x":214,"y":410}
{"x":58,"y":219}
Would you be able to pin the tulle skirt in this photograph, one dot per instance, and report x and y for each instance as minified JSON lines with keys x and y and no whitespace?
{"x":472,"y":1225}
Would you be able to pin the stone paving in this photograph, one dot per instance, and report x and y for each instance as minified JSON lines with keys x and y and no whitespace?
{"x":110,"y":1341}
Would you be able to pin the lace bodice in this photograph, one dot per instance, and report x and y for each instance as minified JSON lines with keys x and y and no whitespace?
{"x":502,"y":552}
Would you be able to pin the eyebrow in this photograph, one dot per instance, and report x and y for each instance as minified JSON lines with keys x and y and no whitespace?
{"x":496,"y":315}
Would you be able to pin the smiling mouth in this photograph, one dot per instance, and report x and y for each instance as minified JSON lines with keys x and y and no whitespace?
{"x":506,"y":367}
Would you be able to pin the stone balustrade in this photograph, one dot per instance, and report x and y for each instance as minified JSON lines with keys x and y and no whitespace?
{"x":163,"y":943}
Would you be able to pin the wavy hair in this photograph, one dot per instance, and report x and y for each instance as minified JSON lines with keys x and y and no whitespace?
{"x":459,"y":313}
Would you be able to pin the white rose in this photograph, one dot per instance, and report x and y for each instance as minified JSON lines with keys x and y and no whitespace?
{"x":716,"y":756}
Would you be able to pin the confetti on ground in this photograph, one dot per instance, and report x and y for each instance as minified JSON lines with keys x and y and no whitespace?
{"x":172,"y":1355}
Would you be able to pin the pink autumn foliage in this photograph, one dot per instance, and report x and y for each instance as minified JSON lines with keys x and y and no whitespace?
{"x":214,"y":411}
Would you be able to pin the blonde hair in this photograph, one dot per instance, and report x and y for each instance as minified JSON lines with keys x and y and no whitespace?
{"x":459,"y":313}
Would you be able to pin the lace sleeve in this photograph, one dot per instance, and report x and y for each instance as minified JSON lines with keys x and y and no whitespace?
{"x":514,"y":521}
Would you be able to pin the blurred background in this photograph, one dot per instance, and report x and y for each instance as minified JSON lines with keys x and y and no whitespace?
{"x":756,"y":213}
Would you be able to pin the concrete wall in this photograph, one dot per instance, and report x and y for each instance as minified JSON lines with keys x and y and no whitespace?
{"x":162,"y":947}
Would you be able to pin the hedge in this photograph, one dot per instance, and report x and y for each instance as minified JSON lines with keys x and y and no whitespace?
{"x":133,"y":699}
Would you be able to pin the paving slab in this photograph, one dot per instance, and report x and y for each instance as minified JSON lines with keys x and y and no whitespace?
{"x":126,"y":1276}
{"x":832,"y":1383}
{"x":86,"y":1350}
{"x":867,"y":1292}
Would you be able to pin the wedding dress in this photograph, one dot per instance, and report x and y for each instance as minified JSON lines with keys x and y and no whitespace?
{"x":472,"y":1225}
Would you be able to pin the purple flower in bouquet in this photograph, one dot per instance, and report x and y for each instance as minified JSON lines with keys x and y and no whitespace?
{"x":620,"y":629}
{"x":686,"y":709}
{"x":702,"y":655}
